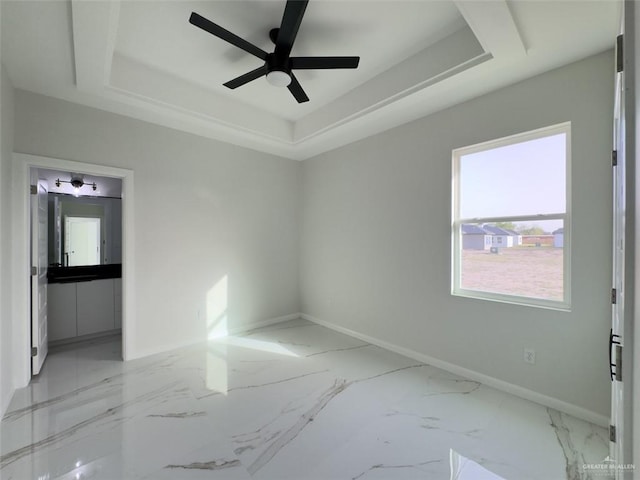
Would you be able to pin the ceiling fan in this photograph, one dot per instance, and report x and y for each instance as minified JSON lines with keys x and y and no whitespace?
{"x":278,"y":65}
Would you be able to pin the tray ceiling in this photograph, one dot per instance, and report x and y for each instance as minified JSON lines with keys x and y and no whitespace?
{"x":144,"y":59}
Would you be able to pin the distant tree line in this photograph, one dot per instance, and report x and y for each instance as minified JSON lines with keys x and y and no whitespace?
{"x":521,"y":229}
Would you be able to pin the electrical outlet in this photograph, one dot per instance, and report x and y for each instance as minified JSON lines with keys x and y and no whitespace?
{"x":530,"y":356}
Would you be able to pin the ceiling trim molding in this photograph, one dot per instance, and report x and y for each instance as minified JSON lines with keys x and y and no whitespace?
{"x":126,"y":96}
{"x":484,"y":57}
{"x":488,"y":32}
{"x":94,"y":27}
{"x":144,"y":82}
{"x":101,"y":72}
{"x":452,"y":55}
{"x":494,"y":26}
{"x":114,"y":18}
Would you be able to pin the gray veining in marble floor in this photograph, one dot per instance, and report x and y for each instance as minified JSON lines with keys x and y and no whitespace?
{"x":290,"y":401}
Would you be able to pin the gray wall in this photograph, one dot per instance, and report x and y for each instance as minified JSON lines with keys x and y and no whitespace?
{"x":204,"y":210}
{"x":376,"y":239}
{"x":6,"y":147}
{"x":374,"y":225}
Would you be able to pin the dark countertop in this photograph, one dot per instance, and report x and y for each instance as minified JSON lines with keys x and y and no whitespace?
{"x":84,"y":273}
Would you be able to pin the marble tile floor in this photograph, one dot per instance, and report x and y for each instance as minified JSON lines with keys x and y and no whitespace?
{"x":290,"y":401}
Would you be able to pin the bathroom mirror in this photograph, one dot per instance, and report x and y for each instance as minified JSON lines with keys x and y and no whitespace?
{"x":84,"y":230}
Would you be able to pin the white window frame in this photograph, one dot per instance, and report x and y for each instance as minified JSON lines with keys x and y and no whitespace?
{"x":456,"y":249}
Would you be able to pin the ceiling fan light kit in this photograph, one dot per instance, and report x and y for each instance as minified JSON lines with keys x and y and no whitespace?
{"x":278,"y":65}
{"x":278,"y":78}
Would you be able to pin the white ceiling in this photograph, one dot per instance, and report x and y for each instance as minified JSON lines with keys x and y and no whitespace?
{"x":144,"y":59}
{"x":336,"y":28}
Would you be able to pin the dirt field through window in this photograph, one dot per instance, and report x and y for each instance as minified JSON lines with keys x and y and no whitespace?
{"x":526,"y":271}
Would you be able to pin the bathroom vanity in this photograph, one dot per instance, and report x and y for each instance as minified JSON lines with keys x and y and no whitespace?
{"x":84,"y":301}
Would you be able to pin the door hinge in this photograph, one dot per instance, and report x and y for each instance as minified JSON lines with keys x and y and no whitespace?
{"x":614,"y":296}
{"x":612,"y":433}
{"x":34,"y":189}
{"x":619,"y":54}
{"x":614,"y":158}
{"x":34,"y":270}
{"x":34,"y":351}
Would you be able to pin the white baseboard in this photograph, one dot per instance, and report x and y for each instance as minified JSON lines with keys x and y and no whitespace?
{"x":496,"y":383}
{"x":230,"y":331}
{"x":137,"y":353}
{"x":262,"y":323}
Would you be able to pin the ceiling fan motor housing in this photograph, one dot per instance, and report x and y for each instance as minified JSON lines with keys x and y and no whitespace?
{"x":279,"y":63}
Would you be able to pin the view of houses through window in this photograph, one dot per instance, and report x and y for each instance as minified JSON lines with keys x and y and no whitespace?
{"x":510,"y":215}
{"x":495,"y":255}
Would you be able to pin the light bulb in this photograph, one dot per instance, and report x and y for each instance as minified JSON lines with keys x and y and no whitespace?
{"x":76,"y":191}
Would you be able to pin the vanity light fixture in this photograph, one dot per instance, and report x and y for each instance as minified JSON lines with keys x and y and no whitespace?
{"x":77,"y":182}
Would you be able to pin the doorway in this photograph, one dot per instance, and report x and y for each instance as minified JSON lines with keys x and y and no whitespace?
{"x":83,"y":260}
{"x":22,"y":166}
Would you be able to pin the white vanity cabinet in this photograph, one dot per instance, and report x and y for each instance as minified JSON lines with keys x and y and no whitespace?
{"x":95,"y":306}
{"x":84,"y":308}
{"x":61,"y":315}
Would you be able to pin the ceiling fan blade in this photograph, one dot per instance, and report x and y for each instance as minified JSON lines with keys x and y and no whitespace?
{"x":309,"y":63}
{"x":208,"y":26}
{"x":296,"y":90}
{"x":291,"y":19}
{"x":246,"y":78}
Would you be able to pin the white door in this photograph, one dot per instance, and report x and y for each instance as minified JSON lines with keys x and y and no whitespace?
{"x":39,"y":262}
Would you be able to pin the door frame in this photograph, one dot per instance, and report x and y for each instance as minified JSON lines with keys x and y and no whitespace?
{"x":21,"y":235}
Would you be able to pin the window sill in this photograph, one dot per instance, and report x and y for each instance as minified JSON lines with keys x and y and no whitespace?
{"x":513,"y":300}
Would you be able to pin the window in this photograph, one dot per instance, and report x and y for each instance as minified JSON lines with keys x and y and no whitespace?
{"x":513,"y":192}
